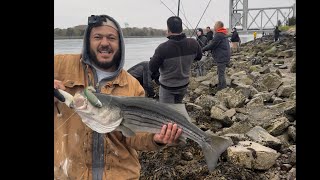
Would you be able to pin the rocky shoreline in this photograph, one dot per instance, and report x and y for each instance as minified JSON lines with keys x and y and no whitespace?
{"x":257,"y":111}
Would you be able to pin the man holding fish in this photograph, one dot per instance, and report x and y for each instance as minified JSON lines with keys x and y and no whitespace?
{"x":97,"y":131}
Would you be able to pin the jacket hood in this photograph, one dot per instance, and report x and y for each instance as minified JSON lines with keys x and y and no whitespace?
{"x":222,"y":30}
{"x":177,"y":37}
{"x":86,"y":51}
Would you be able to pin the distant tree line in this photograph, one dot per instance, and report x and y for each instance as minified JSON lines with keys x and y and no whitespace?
{"x":290,"y":22}
{"x":129,"y":31}
{"x":78,"y":31}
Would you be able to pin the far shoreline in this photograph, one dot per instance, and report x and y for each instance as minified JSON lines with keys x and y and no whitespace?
{"x":81,"y":37}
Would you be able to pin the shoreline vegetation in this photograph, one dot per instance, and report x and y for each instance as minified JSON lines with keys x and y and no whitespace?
{"x":77,"y":32}
{"x":81,"y":37}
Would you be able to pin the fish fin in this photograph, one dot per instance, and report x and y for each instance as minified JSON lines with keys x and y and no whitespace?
{"x":181,"y":108}
{"x":213,"y":148}
{"x":125,"y":131}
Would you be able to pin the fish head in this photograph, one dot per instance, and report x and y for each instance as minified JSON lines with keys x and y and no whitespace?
{"x":80,"y":101}
{"x":100,"y":119}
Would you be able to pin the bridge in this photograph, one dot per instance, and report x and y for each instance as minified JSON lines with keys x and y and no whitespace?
{"x":247,"y":20}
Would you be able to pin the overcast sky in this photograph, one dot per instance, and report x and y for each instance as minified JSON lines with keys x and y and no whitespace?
{"x":149,"y":13}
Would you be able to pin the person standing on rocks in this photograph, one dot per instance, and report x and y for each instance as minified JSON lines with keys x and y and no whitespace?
{"x":209,"y":34}
{"x":220,"y":49}
{"x":254,"y":36}
{"x":173,"y":59}
{"x":235,"y":40}
{"x":276,"y":33}
{"x":202,"y":39}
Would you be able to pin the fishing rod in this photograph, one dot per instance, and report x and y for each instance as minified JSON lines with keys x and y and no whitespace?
{"x":178,"y":8}
{"x":201,"y":17}
{"x":175,"y":15}
{"x":184,"y":15}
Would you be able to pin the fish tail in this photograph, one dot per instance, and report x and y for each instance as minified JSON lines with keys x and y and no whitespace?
{"x":213,"y":148}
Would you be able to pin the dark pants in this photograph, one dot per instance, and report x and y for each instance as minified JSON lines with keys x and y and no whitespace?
{"x":172,"y":96}
{"x":221,"y":75}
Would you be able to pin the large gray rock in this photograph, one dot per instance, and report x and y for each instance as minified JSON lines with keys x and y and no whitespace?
{"x":201,"y":78}
{"x":271,"y":81}
{"x":277,"y":61}
{"x":281,"y":107}
{"x":219,"y":115}
{"x":241,"y":117}
{"x":237,"y":128}
{"x":284,"y":138}
{"x":290,"y":110}
{"x":252,"y":155}
{"x":206,"y":83}
{"x":241,"y":65}
{"x":259,"y":115}
{"x":292,"y":133}
{"x":231,"y":98}
{"x":277,"y":100}
{"x":286,"y":54}
{"x":277,"y":126}
{"x":236,"y":137}
{"x":285,"y":90}
{"x":265,"y":70}
{"x":193,"y":107}
{"x":255,"y":68}
{"x":230,"y":113}
{"x":261,"y":136}
{"x":206,"y":101}
{"x":272,"y":52}
{"x":240,"y":78}
{"x":246,"y":90}
{"x":283,"y":67}
{"x":259,"y":86}
{"x":266,"y":96}
{"x":235,"y":100}
{"x":258,"y":101}
{"x":216,"y":125}
{"x":201,"y":89}
{"x":254,"y":75}
{"x":253,"y":91}
{"x":193,"y":84}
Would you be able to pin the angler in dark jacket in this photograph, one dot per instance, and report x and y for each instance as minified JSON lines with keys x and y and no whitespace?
{"x":142,"y":73}
{"x":276,"y":33}
{"x":201,"y":38}
{"x":235,"y":40}
{"x":173,"y":59}
{"x":220,"y":49}
{"x":209,"y":34}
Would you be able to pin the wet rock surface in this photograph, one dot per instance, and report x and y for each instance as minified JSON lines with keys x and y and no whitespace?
{"x":256,"y":111}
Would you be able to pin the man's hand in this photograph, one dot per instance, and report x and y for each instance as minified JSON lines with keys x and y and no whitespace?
{"x":169,"y":134}
{"x":58,"y":85}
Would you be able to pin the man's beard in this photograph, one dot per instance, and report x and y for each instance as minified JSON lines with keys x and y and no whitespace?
{"x":106,"y":65}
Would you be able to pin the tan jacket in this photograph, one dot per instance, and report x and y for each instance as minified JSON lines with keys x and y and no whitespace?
{"x":73,"y":139}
